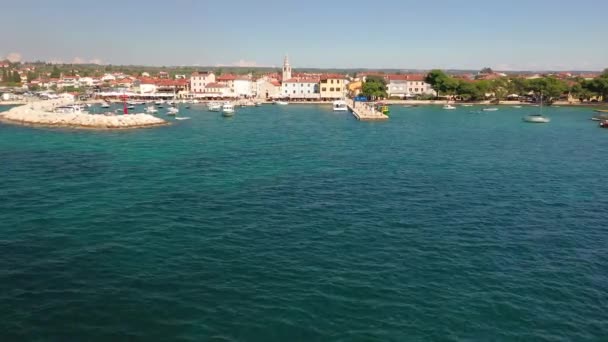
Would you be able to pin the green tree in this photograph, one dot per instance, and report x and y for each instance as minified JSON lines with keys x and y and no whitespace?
{"x":16,"y":77}
{"x":56,"y":73}
{"x":374,"y":87}
{"x":550,"y":87}
{"x":500,"y":88}
{"x":449,"y":86}
{"x":436,"y":78}
{"x":472,"y":91}
{"x":517,"y":85}
{"x":31,"y":76}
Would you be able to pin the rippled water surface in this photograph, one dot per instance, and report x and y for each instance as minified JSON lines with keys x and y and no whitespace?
{"x":293,"y":223}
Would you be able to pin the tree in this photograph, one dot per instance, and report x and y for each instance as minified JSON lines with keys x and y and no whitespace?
{"x":56,"y":73}
{"x":517,"y":85}
{"x":550,"y":87}
{"x":31,"y":76}
{"x":470,"y":91}
{"x":500,"y":88}
{"x":16,"y":77}
{"x":436,"y":78}
{"x":449,"y":85}
{"x":374,"y":87}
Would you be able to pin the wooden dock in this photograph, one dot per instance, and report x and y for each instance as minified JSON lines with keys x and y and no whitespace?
{"x":364,"y":112}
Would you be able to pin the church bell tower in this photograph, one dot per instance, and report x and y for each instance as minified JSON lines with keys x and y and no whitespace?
{"x":286,"y":69}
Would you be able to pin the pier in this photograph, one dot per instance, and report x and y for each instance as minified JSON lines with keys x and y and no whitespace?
{"x":364,"y":112}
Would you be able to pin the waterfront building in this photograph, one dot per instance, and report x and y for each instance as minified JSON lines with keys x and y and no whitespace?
{"x":218,"y":89}
{"x":408,"y":86}
{"x":243,"y":86}
{"x":227,"y":80}
{"x":163,"y":75}
{"x":332,"y":87}
{"x":301,"y":89}
{"x":267,"y":88}
{"x":200,"y":79}
{"x":108,"y":78}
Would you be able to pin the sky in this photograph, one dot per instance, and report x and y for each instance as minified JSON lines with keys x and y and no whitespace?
{"x":404,"y":34}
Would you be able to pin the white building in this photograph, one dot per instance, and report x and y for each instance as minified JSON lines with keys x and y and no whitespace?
{"x":147,"y":87}
{"x":408,"y":85}
{"x":200,"y":79}
{"x":243,"y":86}
{"x":218,"y":89}
{"x":108,"y":78}
{"x":301,"y":88}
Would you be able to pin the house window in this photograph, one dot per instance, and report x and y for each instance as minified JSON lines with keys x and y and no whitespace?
{"x":416,"y":89}
{"x":323,"y":89}
{"x":301,"y":84}
{"x":294,"y":91}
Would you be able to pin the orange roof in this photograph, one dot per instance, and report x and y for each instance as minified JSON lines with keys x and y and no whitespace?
{"x":227,"y":77}
{"x":332,"y":76}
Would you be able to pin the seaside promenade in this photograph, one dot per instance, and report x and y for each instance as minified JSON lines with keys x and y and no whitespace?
{"x":364,"y":112}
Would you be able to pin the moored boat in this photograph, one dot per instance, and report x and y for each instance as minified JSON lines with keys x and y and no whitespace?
{"x":492,"y":109}
{"x":214,"y":106}
{"x":172,"y":111}
{"x":537,"y":117}
{"x":227,"y":109}
{"x":339,"y":106}
{"x":604,"y":124}
{"x":448,"y":107}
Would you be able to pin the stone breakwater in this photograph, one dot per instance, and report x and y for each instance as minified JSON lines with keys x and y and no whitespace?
{"x":41,"y":114}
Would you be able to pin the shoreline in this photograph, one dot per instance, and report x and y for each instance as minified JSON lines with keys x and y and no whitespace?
{"x":78,"y":127}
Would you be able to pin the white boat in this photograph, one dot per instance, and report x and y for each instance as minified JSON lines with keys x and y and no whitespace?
{"x":131,"y":107}
{"x":516,"y":106}
{"x":467,"y":105}
{"x":151,"y":110}
{"x":105,"y":105}
{"x":182,"y":118}
{"x":449,"y":107}
{"x":537,"y":118}
{"x":340,"y":106}
{"x":258,"y":104}
{"x":172,"y":111}
{"x":214,"y":106}
{"x":159,"y":102}
{"x":282,"y":103}
{"x":195,"y":101}
{"x":492,"y":109}
{"x":228,"y":109}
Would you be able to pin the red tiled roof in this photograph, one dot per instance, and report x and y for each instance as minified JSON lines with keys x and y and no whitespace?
{"x":302,"y":80}
{"x":408,"y":77}
{"x":333,"y":76}
{"x":275,"y":83}
{"x":227,"y":77}
{"x":215,"y":85}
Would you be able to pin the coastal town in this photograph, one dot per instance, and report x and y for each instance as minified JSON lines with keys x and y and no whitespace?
{"x":290,"y":85}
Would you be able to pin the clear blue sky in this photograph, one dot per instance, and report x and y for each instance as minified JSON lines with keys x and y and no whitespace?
{"x":507,"y":35}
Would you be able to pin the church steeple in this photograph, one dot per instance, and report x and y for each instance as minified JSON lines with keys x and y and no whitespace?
{"x":286,"y":69}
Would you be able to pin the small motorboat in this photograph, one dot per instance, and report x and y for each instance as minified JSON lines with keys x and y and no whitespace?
{"x":131,"y":107}
{"x":448,"y":107}
{"x":214,"y":107}
{"x":228,"y":109}
{"x":340,"y":106}
{"x":258,"y":104}
{"x":282,"y":103}
{"x":151,"y":110}
{"x":492,"y":109}
{"x":467,"y":105}
{"x":182,"y":118}
{"x":604,"y":124}
{"x":172,"y":111}
{"x":516,"y":106}
{"x":536,"y":118}
{"x":105,"y":105}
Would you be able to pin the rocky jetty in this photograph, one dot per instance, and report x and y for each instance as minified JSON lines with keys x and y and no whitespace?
{"x":41,"y":114}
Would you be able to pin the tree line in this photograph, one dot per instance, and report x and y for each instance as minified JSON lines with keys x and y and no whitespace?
{"x":500,"y":88}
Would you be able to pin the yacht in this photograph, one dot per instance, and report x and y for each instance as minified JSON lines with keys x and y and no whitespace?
{"x":538,"y":117}
{"x":214,"y":107}
{"x":172,"y":111}
{"x":282,"y":103}
{"x":449,"y":107}
{"x":340,"y":106}
{"x":491,"y":109}
{"x":228,"y":109}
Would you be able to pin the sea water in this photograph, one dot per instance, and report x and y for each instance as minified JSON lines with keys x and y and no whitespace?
{"x":295,"y":223}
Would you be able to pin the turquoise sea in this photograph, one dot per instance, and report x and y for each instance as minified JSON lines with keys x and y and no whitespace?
{"x":294,"y":223}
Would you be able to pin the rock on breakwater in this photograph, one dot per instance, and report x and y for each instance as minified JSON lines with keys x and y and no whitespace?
{"x":41,"y":114}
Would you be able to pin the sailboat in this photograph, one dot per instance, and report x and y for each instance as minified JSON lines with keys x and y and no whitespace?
{"x":537,"y":118}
